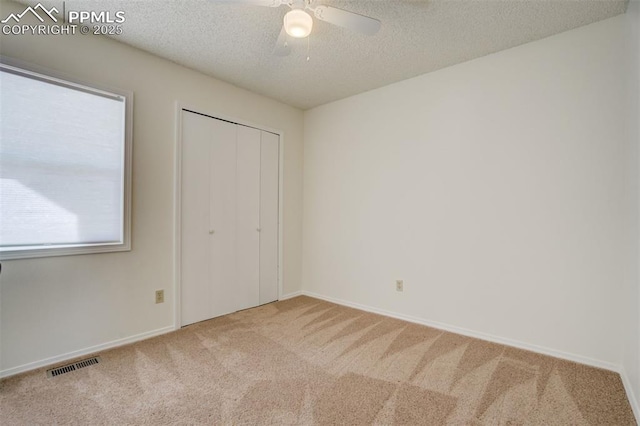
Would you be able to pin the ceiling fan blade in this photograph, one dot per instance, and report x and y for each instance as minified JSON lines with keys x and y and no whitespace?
{"x":266,"y":3}
{"x":282,"y":46}
{"x":353,"y":21}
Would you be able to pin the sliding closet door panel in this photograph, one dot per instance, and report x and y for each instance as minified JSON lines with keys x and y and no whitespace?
{"x":269,"y":157}
{"x":195,"y":282}
{"x":222,"y":206}
{"x":248,"y":217}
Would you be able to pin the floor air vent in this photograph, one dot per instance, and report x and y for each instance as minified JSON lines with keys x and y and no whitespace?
{"x":73,"y":367}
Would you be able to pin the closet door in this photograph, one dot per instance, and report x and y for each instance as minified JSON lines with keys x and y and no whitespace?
{"x":229,"y":217}
{"x":195,"y":282}
{"x":208,"y":208}
{"x":248,"y":217}
{"x":269,"y":159}
{"x":222,"y":199}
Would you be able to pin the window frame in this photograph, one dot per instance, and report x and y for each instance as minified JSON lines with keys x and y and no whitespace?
{"x":28,"y":70}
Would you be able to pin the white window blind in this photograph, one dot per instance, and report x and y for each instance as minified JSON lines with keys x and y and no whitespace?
{"x":63,"y":166}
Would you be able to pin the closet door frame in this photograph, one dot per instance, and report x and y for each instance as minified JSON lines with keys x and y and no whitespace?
{"x":177,"y":199}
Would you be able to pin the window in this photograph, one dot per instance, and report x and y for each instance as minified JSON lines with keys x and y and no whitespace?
{"x":65,"y":155}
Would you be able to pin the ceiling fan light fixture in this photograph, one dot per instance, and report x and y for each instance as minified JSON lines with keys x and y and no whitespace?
{"x":298,"y":23}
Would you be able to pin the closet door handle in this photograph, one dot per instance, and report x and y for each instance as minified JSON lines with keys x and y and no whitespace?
{"x":258,"y":229}
{"x":212,"y":231}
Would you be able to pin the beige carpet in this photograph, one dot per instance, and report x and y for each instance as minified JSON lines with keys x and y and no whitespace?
{"x":306,"y":361}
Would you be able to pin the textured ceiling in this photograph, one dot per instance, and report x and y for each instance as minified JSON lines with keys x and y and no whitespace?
{"x":234,"y":42}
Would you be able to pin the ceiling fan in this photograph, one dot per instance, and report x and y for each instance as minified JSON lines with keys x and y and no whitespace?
{"x":298,"y":21}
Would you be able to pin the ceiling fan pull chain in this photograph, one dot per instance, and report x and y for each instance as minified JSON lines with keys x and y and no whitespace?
{"x":308,"y":57}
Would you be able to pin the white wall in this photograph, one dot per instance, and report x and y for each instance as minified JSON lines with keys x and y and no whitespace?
{"x":631,"y":349}
{"x":54,"y":306}
{"x":494,"y":189}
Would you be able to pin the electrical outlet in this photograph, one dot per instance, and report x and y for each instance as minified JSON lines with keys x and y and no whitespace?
{"x":159,"y":296}
{"x":399,"y":285}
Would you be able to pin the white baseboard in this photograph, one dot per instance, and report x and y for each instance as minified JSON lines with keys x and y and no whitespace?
{"x":633,"y":400}
{"x":472,"y":333}
{"x":291,"y":295}
{"x":81,"y":352}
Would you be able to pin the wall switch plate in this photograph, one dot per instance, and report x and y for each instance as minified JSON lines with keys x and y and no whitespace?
{"x":399,"y":285}
{"x":159,"y":296}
